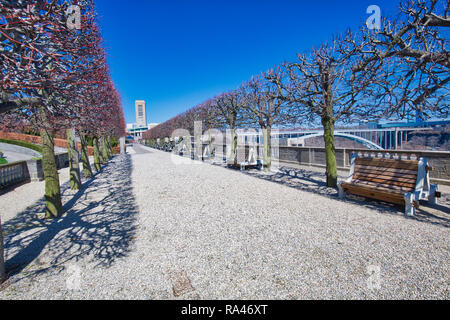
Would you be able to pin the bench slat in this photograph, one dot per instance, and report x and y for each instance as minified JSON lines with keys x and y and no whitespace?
{"x":381,"y":161}
{"x":386,"y":181}
{"x":381,"y":186}
{"x":401,"y":178}
{"x":377,"y":194}
{"x":387,"y":171}
{"x":389,"y":163}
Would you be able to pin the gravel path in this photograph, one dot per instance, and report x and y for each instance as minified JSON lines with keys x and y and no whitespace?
{"x":146,"y":228}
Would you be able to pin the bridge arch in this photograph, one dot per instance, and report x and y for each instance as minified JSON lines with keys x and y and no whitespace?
{"x":367,"y":143}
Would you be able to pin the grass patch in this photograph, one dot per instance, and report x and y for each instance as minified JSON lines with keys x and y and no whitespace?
{"x":23,"y":144}
{"x":3,"y":161}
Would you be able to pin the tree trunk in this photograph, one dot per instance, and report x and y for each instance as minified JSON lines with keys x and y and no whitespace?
{"x":104,"y":148}
{"x":188,"y":144}
{"x":210,"y":147}
{"x":87,"y":170}
{"x":122,"y":144}
{"x":74,"y":164}
{"x":110,"y":150}
{"x":198,"y":148}
{"x":52,"y":190}
{"x":2,"y":256}
{"x":267,"y":156}
{"x":108,"y":147}
{"x":97,"y":157}
{"x":330,"y":152}
{"x":233,"y":156}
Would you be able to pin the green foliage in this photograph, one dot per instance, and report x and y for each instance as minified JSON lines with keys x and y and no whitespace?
{"x":3,"y":161}
{"x":90,"y":141}
{"x":23,"y":144}
{"x":151,"y":143}
{"x":114,"y":142}
{"x":30,"y":132}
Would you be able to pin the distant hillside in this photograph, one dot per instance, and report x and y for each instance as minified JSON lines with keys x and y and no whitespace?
{"x":438,"y":140}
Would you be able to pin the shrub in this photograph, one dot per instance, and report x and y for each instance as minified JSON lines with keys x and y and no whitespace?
{"x":30,"y":132}
{"x":90,"y":141}
{"x":114,"y":142}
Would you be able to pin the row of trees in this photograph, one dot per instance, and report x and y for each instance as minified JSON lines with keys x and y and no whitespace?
{"x":54,"y":78}
{"x":399,"y":70}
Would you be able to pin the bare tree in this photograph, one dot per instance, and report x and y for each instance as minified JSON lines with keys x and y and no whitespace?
{"x":266,"y":105}
{"x":410,"y":60}
{"x":229,"y":112}
{"x":322,"y":84}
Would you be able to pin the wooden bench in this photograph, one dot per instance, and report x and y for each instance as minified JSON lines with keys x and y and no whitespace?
{"x":403,"y":182}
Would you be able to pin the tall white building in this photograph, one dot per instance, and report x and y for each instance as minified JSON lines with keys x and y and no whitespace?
{"x":141,"y":115}
{"x":137,"y":129}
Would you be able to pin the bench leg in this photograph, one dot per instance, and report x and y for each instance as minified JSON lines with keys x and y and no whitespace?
{"x":341,"y":191}
{"x":259,"y":164}
{"x":409,"y":205}
{"x":432,"y":196}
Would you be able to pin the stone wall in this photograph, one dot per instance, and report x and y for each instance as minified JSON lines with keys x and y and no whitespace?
{"x":439,"y":160}
{"x":20,"y":137}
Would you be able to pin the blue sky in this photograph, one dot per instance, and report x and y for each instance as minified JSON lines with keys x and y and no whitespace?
{"x":176,"y":54}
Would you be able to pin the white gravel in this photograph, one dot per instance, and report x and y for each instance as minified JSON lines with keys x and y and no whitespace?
{"x":145,"y":228}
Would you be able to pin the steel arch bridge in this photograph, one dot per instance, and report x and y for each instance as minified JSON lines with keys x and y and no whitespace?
{"x":375,"y":139}
{"x":367,"y":143}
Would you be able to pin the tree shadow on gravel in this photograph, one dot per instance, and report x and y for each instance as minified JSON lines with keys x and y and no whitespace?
{"x":99,"y":223}
{"x":315,"y":182}
{"x":301,"y":179}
